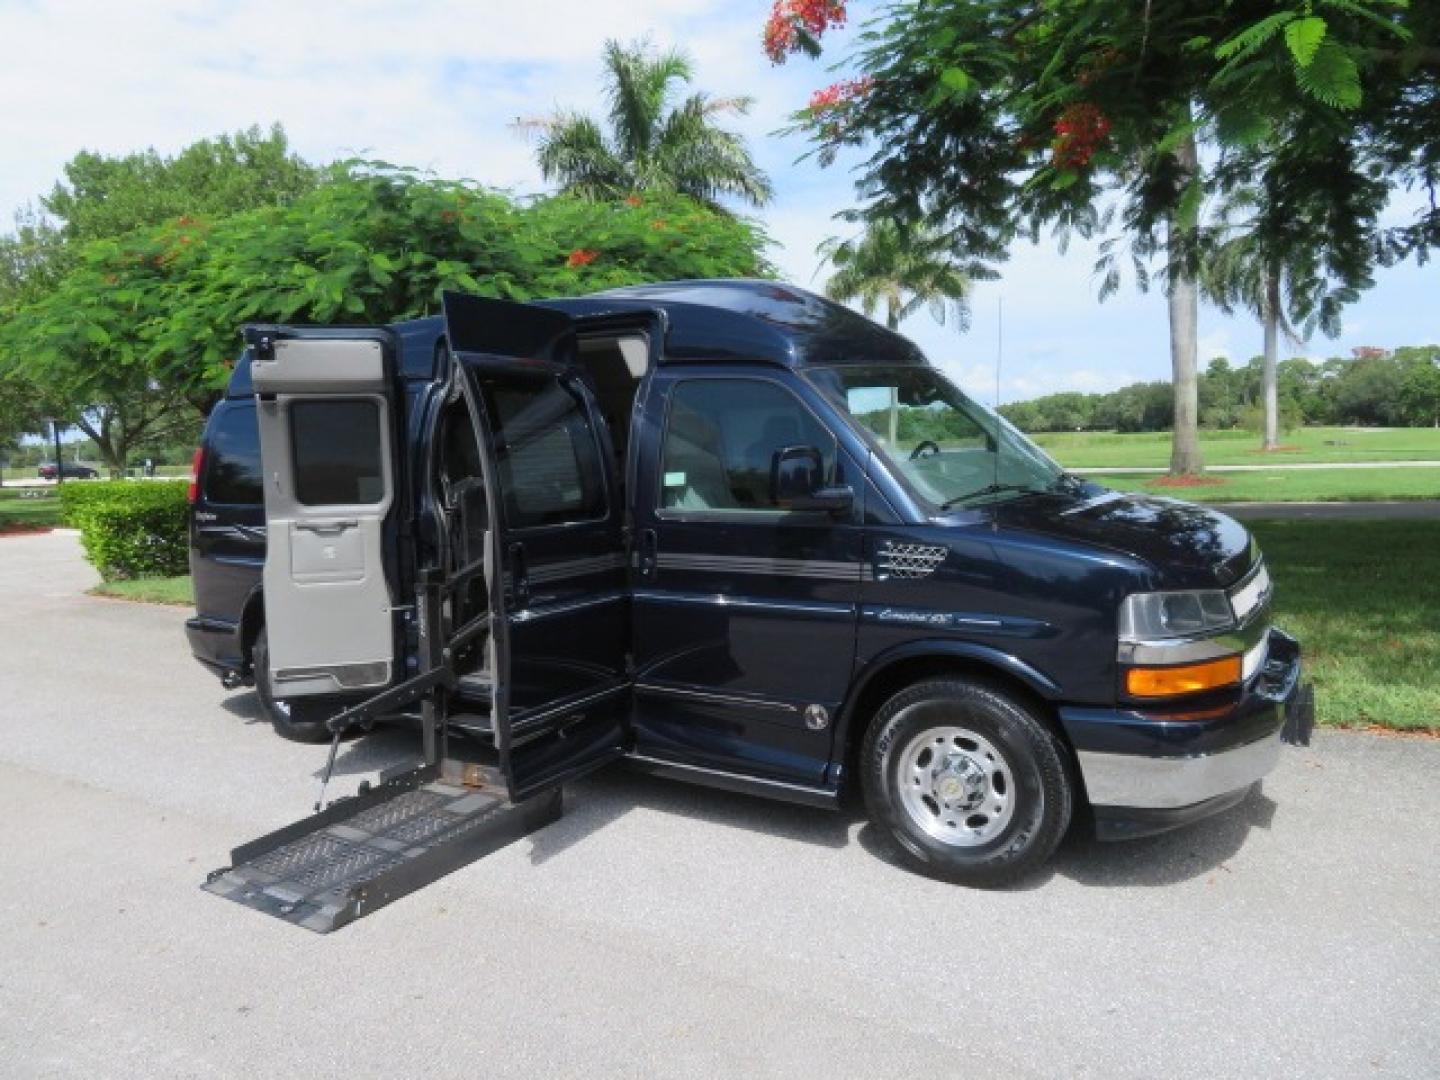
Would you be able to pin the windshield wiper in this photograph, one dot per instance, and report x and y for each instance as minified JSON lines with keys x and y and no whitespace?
{"x":989,"y":489}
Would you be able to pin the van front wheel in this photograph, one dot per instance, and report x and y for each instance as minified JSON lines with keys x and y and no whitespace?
{"x":968,"y":782}
{"x":298,"y":721}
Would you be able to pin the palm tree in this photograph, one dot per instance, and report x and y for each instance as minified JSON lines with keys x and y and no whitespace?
{"x":901,"y":272}
{"x":653,"y":144}
{"x":1242,"y":274}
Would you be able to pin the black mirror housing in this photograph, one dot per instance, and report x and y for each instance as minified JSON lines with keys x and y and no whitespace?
{"x":797,"y":482}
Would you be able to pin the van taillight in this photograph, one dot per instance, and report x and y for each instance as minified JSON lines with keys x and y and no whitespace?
{"x":196,"y":464}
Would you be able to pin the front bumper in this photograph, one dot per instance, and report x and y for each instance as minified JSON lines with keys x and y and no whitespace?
{"x":1148,"y":771}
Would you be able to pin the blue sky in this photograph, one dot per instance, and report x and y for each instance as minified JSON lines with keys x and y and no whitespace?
{"x":437,"y":84}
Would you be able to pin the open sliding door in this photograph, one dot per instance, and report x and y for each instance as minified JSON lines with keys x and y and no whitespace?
{"x":561,"y":609}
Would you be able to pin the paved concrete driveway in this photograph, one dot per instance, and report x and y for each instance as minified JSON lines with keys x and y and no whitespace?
{"x":662,"y":930}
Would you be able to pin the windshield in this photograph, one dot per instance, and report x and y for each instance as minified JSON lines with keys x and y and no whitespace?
{"x":950,"y":450}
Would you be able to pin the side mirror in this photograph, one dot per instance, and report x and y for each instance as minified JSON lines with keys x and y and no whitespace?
{"x":797,"y":482}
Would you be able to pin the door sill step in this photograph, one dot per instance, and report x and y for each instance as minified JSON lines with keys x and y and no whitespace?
{"x":740,"y":782}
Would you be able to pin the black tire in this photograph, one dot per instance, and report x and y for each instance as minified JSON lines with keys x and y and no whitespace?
{"x":298,"y":721}
{"x":983,"y":744}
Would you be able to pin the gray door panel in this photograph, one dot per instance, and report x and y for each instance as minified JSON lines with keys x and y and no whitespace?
{"x":325,"y":410}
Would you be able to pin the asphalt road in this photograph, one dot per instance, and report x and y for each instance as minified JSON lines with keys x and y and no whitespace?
{"x":658,"y":929}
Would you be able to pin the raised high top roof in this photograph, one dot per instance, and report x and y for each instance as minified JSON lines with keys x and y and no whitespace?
{"x":739,"y":319}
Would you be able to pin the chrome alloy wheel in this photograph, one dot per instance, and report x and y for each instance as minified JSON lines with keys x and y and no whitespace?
{"x":956,"y":786}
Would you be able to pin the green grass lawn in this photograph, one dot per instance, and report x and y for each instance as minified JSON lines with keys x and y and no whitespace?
{"x":1295,"y":485}
{"x":1108,"y":449}
{"x":1363,"y":597}
{"x":16,"y":509}
{"x":163,"y":590}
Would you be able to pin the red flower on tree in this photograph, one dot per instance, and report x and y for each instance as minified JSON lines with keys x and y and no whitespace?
{"x":796,"y":24}
{"x":830,"y":106}
{"x":581,"y":257}
{"x":1079,"y":132}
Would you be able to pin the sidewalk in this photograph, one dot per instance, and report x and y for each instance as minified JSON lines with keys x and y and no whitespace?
{"x":1271,"y":467}
{"x":1414,"y":510}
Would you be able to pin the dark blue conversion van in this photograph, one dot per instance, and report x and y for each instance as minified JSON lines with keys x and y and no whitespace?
{"x":733,"y":533}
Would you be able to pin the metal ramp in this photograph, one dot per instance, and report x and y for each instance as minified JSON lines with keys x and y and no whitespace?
{"x":358,"y":854}
{"x":362,"y":853}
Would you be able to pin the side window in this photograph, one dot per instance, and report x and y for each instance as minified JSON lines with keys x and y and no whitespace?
{"x":232,"y":474}
{"x":546,"y":453}
{"x":720,"y":440}
{"x":338,"y":455}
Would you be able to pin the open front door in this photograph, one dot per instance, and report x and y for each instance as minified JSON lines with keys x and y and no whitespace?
{"x":560,"y":648}
{"x":325,"y":402}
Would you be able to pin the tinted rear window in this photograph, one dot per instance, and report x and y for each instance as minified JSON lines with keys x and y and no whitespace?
{"x":232,"y":473}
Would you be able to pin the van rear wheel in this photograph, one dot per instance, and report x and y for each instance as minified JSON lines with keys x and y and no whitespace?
{"x":968,"y":782}
{"x":298,"y":721}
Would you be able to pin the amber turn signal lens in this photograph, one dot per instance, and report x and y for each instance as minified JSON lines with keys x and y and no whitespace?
{"x":1186,"y":679}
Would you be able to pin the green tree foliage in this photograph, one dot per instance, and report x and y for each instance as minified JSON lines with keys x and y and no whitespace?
{"x":162,"y":307}
{"x":654,"y":143}
{"x":1373,"y":387}
{"x":109,"y":201}
{"x":109,"y":196}
{"x":899,"y":273}
{"x":992,"y":120}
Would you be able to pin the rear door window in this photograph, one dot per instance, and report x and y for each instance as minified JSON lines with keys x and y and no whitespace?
{"x":232,"y":475}
{"x":338,"y":454}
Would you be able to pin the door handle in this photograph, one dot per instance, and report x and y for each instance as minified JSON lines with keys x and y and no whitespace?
{"x":649,"y":553}
{"x":519,"y":576}
{"x":327,"y":526}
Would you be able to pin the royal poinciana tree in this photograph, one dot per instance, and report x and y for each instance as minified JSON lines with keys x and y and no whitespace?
{"x":990,"y":121}
{"x":161,"y":307}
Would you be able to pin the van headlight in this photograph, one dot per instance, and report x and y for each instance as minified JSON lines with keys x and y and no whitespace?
{"x":1160,"y":616}
{"x":1167,"y":619}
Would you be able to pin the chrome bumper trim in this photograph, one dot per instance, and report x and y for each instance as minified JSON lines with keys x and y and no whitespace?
{"x":1164,"y":783}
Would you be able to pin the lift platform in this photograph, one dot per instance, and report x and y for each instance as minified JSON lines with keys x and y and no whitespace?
{"x":361,"y":853}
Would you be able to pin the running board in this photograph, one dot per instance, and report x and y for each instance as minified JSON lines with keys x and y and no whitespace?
{"x":361,"y":853}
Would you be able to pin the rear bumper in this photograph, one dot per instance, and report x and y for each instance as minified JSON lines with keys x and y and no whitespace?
{"x":1146,"y":772}
{"x":216,"y":644}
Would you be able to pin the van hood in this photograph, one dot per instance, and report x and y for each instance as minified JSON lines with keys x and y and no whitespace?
{"x":1189,"y":546}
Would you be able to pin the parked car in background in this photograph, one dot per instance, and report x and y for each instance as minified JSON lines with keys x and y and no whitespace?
{"x":68,"y":469}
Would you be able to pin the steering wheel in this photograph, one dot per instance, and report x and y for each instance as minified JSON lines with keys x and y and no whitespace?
{"x":923,"y":449}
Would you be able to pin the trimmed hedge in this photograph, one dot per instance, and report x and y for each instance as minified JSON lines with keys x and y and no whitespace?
{"x":130,"y":528}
